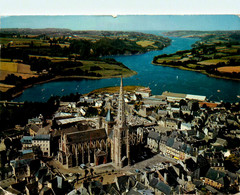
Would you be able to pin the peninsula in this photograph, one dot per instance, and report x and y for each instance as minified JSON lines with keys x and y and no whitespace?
{"x":216,"y":54}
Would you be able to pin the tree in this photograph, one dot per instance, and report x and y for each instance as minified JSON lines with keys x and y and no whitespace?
{"x":232,"y":163}
{"x":195,"y":106}
{"x":227,"y":106}
{"x":91,"y":112}
{"x":182,"y":103}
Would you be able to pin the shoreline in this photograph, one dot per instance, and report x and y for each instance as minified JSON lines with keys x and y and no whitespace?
{"x":199,"y":71}
{"x":59,"y":78}
{"x":115,"y":89}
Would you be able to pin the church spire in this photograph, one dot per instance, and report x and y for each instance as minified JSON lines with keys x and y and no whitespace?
{"x":121,"y":120}
{"x":121,"y":145}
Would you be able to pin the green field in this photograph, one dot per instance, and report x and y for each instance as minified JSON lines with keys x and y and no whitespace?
{"x":145,"y":43}
{"x":9,"y":66}
{"x":20,"y":41}
{"x":169,"y":59}
{"x":105,"y":69}
{"x":237,"y":58}
{"x":212,"y":61}
{"x":228,"y":50}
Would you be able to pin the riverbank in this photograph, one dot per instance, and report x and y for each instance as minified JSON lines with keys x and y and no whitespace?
{"x":67,"y":78}
{"x":199,"y":71}
{"x":158,"y":78}
{"x":115,"y":89}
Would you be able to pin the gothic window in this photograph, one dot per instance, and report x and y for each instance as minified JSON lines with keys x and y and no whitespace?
{"x":123,"y":133}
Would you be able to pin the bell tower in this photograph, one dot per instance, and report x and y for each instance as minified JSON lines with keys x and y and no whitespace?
{"x":121,"y":147}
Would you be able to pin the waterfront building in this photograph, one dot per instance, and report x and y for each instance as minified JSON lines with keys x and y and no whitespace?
{"x":43,"y":142}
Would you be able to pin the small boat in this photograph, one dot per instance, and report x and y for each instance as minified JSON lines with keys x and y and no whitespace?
{"x":62,"y":89}
{"x":218,"y":90}
{"x":177,"y":77}
{"x":238,"y":96}
{"x":42,"y":89}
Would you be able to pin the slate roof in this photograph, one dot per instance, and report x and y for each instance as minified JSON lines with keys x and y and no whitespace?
{"x":146,"y":192}
{"x":140,"y":186}
{"x":232,"y":176}
{"x":20,"y":163}
{"x":122,"y":182}
{"x":26,"y":140}
{"x":41,"y":172}
{"x":109,"y":117}
{"x":113,"y":189}
{"x":166,"y":189}
{"x":133,"y":192}
{"x":170,"y":142}
{"x":27,"y":151}
{"x":62,"y":115}
{"x":213,"y":190}
{"x":164,"y":138}
{"x":215,"y":175}
{"x":34,"y":127}
{"x":162,"y":112}
{"x":34,"y":120}
{"x":41,"y":137}
{"x":177,"y":145}
{"x":154,"y":135}
{"x":221,"y":141}
{"x":83,"y":136}
{"x":153,"y":182}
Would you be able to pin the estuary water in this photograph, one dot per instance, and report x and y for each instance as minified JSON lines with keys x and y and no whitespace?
{"x":158,"y":78}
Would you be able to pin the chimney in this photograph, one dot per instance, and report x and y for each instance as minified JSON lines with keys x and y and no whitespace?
{"x":49,"y":185}
{"x":165,"y":177}
{"x":183,"y":177}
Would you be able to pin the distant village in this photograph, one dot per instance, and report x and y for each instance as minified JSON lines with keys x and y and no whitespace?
{"x":126,"y":143}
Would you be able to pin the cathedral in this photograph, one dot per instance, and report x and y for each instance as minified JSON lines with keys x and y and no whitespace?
{"x":109,"y":142}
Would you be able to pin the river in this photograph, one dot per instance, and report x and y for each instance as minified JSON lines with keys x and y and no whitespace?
{"x":158,"y":78}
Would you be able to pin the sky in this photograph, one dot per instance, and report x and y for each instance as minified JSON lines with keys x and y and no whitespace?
{"x":120,"y":7}
{"x":126,"y":22}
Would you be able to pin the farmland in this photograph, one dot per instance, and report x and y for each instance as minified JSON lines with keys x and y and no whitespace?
{"x":146,"y":43}
{"x":31,"y":56}
{"x":18,"y":69}
{"x":4,"y":87}
{"x":229,"y":69}
{"x":213,"y":61}
{"x":216,"y":54}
